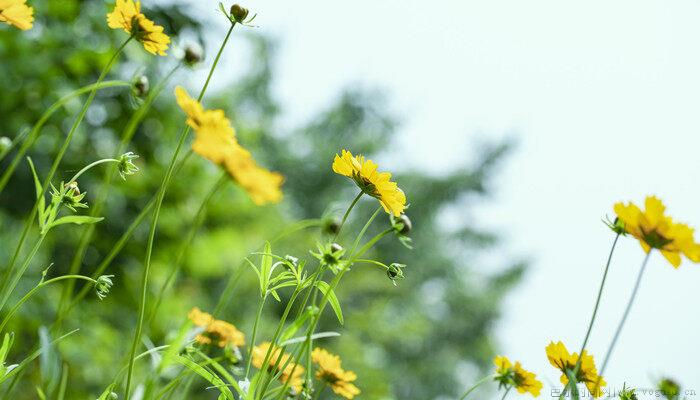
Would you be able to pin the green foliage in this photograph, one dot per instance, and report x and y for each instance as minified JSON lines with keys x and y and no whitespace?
{"x":400,"y":344}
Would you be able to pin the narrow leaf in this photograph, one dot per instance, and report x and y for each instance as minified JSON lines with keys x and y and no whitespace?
{"x":332,"y":299}
{"x":76,"y":219}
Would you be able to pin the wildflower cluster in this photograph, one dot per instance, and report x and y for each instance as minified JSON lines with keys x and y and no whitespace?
{"x":215,"y":331}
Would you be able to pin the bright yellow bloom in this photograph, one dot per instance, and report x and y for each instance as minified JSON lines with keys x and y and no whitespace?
{"x":291,"y":372}
{"x":560,"y":358}
{"x":127,"y":16}
{"x":654,"y":230}
{"x":220,"y":332}
{"x":516,"y":376}
{"x":376,"y":184}
{"x":215,"y":140}
{"x":16,"y":13}
{"x":330,"y":371}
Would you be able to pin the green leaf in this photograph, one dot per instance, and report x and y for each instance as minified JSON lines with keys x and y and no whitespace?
{"x":39,"y":197}
{"x":207,"y":375}
{"x":76,"y":219}
{"x":319,"y":335}
{"x":332,"y":299}
{"x":295,"y":326}
{"x":265,"y":267}
{"x":6,"y":345}
{"x":106,"y":393}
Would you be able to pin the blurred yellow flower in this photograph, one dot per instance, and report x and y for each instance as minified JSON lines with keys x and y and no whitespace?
{"x":215,"y":140}
{"x":127,"y":16}
{"x":516,"y":376}
{"x":291,"y":371}
{"x":217,"y":331}
{"x":330,"y":372}
{"x":587,"y":374}
{"x":376,"y":184}
{"x":16,"y":13}
{"x":655,"y":230}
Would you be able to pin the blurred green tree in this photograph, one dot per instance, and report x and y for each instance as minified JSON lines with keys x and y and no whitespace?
{"x":405,"y":342}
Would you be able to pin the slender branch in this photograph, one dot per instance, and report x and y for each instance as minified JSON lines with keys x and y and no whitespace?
{"x":476,"y":385}
{"x":347,"y":213}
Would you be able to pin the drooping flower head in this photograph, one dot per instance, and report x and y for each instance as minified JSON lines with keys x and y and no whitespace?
{"x":291,"y":372}
{"x":509,"y":375}
{"x":127,"y":16}
{"x":215,"y":331}
{"x":564,"y":361}
{"x":655,"y":230}
{"x":17,"y":13}
{"x":331,"y":372}
{"x":376,"y":184}
{"x":215,"y":140}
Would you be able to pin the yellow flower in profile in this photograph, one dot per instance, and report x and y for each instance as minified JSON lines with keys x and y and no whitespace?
{"x":330,"y":372}
{"x":215,"y":140}
{"x":17,"y":13}
{"x":376,"y":184}
{"x":655,"y":230}
{"x":291,"y":371}
{"x":587,"y":374}
{"x":127,"y":16}
{"x":215,"y":331}
{"x":509,"y":375}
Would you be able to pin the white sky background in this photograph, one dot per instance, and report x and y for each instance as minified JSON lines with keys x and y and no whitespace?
{"x":603,"y":98}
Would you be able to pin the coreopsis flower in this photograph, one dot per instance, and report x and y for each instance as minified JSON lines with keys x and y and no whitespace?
{"x":127,"y":16}
{"x":509,"y":375}
{"x":376,"y":184}
{"x":564,"y":361}
{"x":331,"y":372}
{"x":17,"y":13}
{"x":655,"y":230}
{"x":291,"y":372}
{"x":215,"y":331}
{"x":215,"y":140}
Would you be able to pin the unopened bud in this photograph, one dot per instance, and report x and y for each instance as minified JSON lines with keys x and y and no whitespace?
{"x":238,"y":13}
{"x":193,"y":54}
{"x":141,"y":86}
{"x":402,"y":224}
{"x":335,"y":247}
{"x":103,"y":285}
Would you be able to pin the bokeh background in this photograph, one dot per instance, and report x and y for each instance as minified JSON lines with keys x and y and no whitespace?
{"x":512,"y":126}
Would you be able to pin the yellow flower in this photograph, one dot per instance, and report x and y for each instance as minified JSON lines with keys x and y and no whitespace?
{"x":218,"y":331}
{"x":654,"y":230}
{"x":215,"y":140}
{"x":330,"y":371}
{"x":516,"y":376}
{"x":560,"y":358}
{"x":17,"y":13}
{"x":291,"y":372}
{"x":127,"y":16}
{"x":376,"y":184}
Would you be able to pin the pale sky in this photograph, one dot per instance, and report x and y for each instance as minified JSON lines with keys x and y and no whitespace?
{"x":602,"y":97}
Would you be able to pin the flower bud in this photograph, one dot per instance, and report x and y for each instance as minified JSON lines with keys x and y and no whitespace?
{"x":112,"y":396}
{"x":402,"y":224}
{"x":73,"y":188}
{"x":193,"y":54}
{"x":291,"y":259}
{"x":335,"y":247}
{"x":103,"y":285}
{"x":141,"y":86}
{"x":395,"y":271}
{"x":126,"y":166}
{"x":669,"y":388}
{"x":238,"y":13}
{"x":69,"y":196}
{"x":331,"y":225}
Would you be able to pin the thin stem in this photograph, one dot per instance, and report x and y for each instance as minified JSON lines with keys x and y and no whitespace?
{"x":347,"y":213}
{"x":371,"y":243}
{"x":36,"y":288}
{"x":506,"y":393}
{"x":626,"y":314}
{"x":253,"y":338}
{"x":595,"y":312}
{"x":91,"y":165}
{"x":22,"y":270}
{"x":36,"y":129}
{"x":96,"y":208}
{"x":57,"y":161}
{"x":476,"y":385}
{"x":364,"y":229}
{"x":196,"y":223}
{"x":154,"y":222}
{"x":317,"y":395}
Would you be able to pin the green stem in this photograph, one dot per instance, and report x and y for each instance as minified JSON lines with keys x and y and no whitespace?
{"x":92,"y":165}
{"x":347,"y":213}
{"x":36,"y":288}
{"x":371,"y":243}
{"x":22,"y":270}
{"x":364,"y":229}
{"x":626,"y":314}
{"x":253,"y":337}
{"x":196,"y":223}
{"x":595,"y":312}
{"x":57,"y":161}
{"x":154,"y":222}
{"x":96,"y":208}
{"x":36,"y":129}
{"x":506,"y":393}
{"x":476,"y":385}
